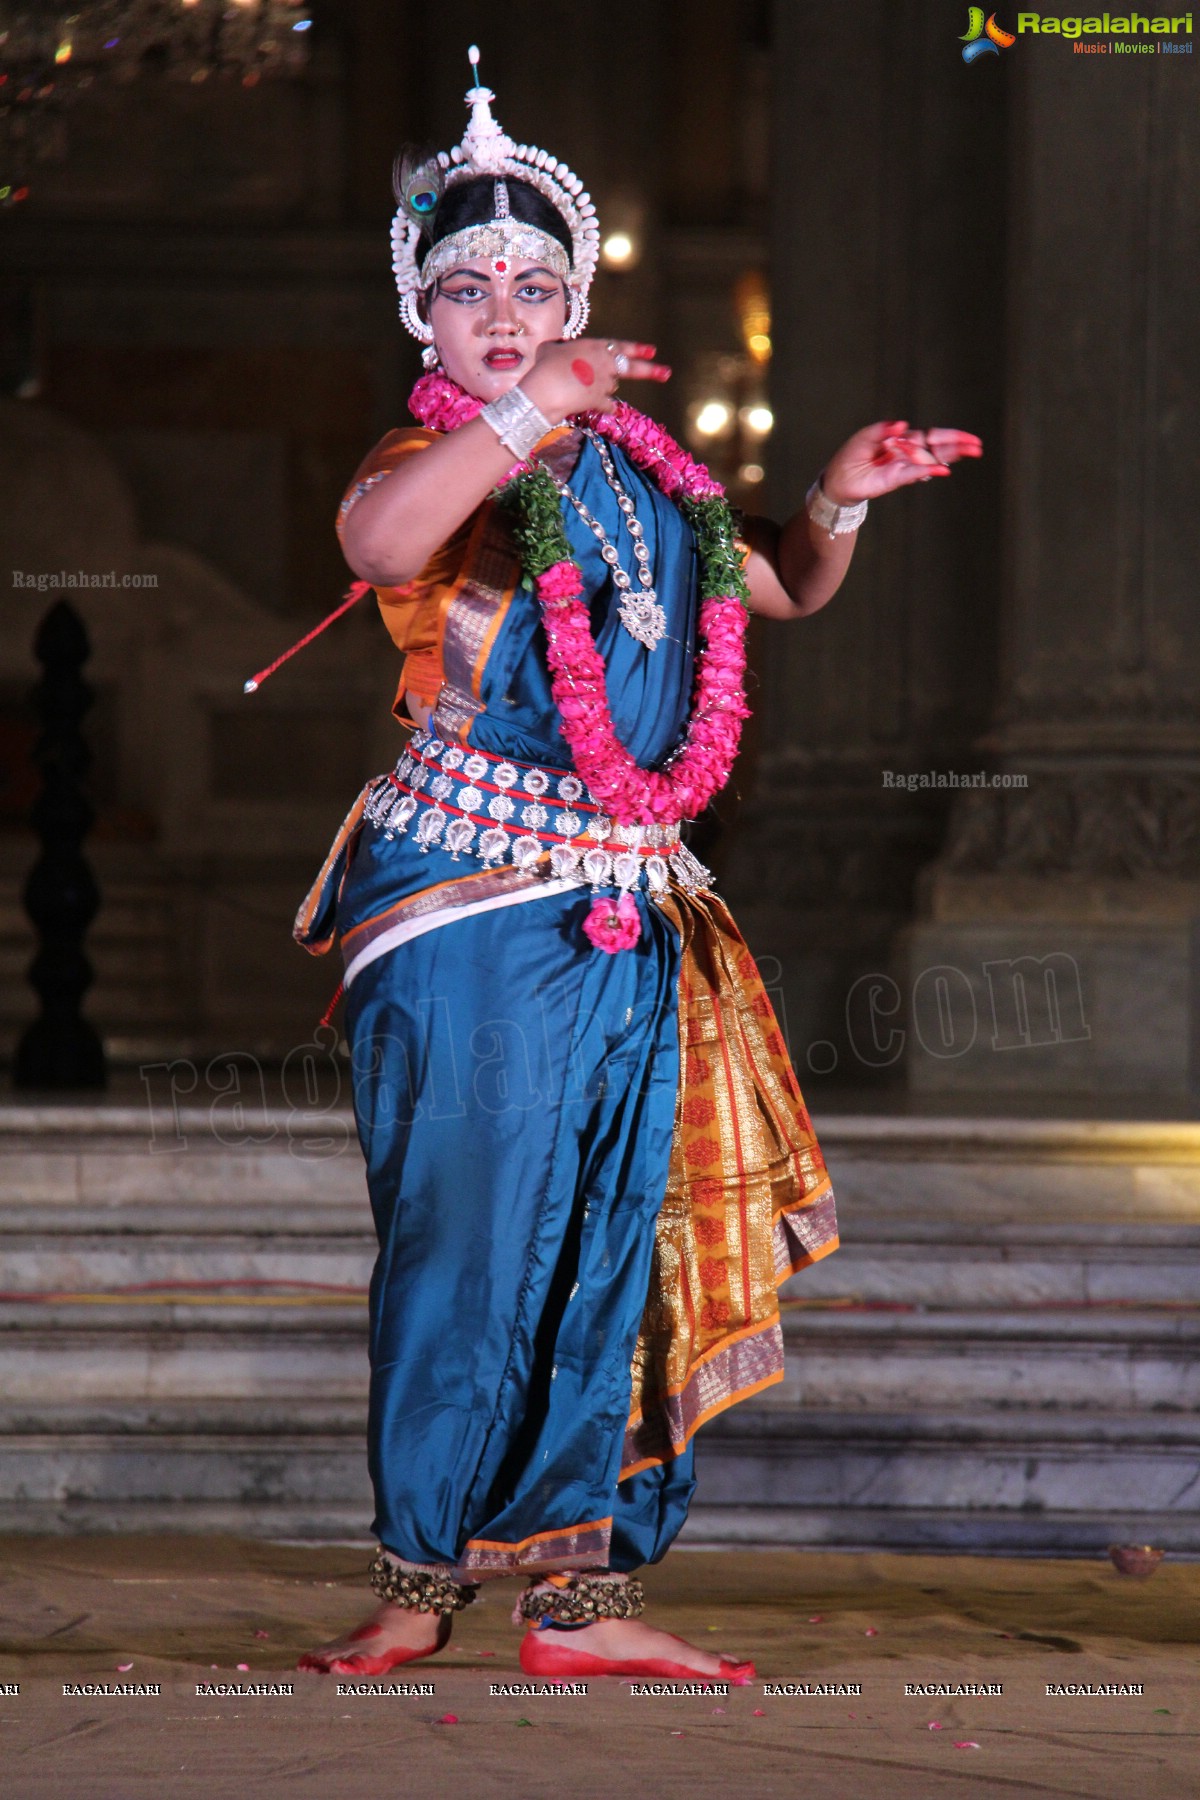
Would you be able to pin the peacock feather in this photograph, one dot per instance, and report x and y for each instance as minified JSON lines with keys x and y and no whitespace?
{"x":418,"y":183}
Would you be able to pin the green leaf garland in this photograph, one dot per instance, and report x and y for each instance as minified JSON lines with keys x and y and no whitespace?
{"x":720,"y":565}
{"x":534,"y":506}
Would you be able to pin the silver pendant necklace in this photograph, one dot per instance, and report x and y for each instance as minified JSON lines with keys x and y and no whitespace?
{"x":642,"y":614}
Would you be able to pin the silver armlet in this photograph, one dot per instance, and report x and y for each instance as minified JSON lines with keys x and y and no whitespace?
{"x":833,"y":519}
{"x":517,"y":422}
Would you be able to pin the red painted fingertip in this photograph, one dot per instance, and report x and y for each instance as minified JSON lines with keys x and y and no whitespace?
{"x":662,"y":374}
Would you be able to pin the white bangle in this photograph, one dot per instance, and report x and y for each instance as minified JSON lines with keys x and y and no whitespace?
{"x":828,"y":515}
{"x":516,"y":421}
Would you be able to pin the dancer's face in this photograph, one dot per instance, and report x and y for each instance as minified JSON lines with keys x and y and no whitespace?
{"x":487,"y":325}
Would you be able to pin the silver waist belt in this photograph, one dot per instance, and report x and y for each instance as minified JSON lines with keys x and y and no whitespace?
{"x":471,"y":802}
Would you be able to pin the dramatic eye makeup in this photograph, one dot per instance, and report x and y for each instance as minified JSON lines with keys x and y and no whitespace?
{"x":534,"y":288}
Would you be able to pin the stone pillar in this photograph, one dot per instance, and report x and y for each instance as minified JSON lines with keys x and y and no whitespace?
{"x":887,"y":244}
{"x":1057,"y":946}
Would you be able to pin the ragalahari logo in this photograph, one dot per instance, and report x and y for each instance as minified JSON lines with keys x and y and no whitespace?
{"x":982,"y":39}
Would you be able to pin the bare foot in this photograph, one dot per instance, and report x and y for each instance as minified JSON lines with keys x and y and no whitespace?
{"x":628,"y":1640}
{"x":624,"y":1647}
{"x":392,"y":1635}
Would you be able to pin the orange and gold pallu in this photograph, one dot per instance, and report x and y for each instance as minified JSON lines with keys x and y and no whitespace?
{"x":748,"y":1202}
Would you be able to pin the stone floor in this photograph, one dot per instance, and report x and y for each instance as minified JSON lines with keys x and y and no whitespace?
{"x":181,"y":1611}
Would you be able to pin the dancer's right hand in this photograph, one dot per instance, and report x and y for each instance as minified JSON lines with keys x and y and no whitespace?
{"x":581,"y":375}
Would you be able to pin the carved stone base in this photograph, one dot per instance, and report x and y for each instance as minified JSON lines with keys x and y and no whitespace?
{"x":820,"y":876}
{"x":1082,"y":818}
{"x":1057,"y":948}
{"x":1050,"y":1006}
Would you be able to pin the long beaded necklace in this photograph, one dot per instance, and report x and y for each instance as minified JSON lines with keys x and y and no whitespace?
{"x":642,"y":615}
{"x":700,"y":765}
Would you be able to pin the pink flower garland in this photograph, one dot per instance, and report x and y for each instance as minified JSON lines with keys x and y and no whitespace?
{"x":630,"y":794}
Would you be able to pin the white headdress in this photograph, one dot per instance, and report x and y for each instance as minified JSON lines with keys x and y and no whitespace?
{"x":488,"y":150}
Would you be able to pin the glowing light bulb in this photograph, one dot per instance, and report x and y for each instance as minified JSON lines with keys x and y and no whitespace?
{"x":617,"y":250}
{"x":758,"y":419}
{"x":63,"y":53}
{"x":712,"y":418}
{"x":751,"y":473}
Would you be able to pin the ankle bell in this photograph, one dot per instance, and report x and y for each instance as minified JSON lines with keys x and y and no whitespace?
{"x":424,"y":1590}
{"x":582,"y":1599}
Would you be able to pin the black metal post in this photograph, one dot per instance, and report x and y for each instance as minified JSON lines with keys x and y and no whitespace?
{"x":61,"y":1049}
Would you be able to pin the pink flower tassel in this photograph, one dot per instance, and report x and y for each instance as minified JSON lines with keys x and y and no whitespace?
{"x":614,"y":925}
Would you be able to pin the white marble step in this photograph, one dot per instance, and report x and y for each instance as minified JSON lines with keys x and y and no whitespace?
{"x":951,"y":1460}
{"x":1054,"y":1481}
{"x":77,"y":1248}
{"x":122,"y":1353}
{"x":976,"y":1531}
{"x":1043,"y":1357}
{"x":1064,"y":1482}
{"x":1067,"y":1265}
{"x":836,"y":1361}
{"x":1032,"y":1286}
{"x":1025,"y":1180}
{"x":93,"y":1262}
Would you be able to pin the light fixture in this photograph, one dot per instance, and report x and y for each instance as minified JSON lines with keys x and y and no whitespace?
{"x":712,"y":417}
{"x":753,"y":304}
{"x":618,"y":250}
{"x":757,"y":418}
{"x":751,"y":473}
{"x":48,"y":60}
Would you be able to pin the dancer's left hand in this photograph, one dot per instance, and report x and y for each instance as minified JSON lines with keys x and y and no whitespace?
{"x":891,"y":454}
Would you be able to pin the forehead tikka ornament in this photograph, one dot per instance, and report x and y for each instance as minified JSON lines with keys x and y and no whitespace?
{"x":488,"y":150}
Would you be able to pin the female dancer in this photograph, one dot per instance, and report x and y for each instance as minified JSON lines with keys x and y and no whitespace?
{"x":587,"y":1155}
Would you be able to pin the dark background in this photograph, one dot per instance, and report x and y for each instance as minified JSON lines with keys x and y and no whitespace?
{"x":201,"y":345}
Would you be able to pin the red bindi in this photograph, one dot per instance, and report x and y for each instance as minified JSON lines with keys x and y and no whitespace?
{"x":583,"y":371}
{"x":500,"y":267}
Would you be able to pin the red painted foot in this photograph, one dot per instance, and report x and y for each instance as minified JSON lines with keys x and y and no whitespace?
{"x":352,"y":1662}
{"x":542,"y":1655}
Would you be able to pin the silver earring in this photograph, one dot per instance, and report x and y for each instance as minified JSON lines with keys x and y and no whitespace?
{"x":430,"y":356}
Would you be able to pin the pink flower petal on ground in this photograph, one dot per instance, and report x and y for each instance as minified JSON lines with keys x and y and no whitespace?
{"x":718,"y":1709}
{"x":245,"y":1668}
{"x":759,"y":1713}
{"x":214,"y":1665}
{"x":933,"y":1725}
{"x":966,"y":1744}
{"x":870,"y":1632}
{"x":487,"y":1653}
{"x":448,"y":1719}
{"x":262,"y":1634}
{"x":123,"y":1668}
{"x":817,"y":1619}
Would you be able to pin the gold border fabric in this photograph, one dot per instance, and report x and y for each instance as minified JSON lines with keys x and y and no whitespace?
{"x":748,"y":1198}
